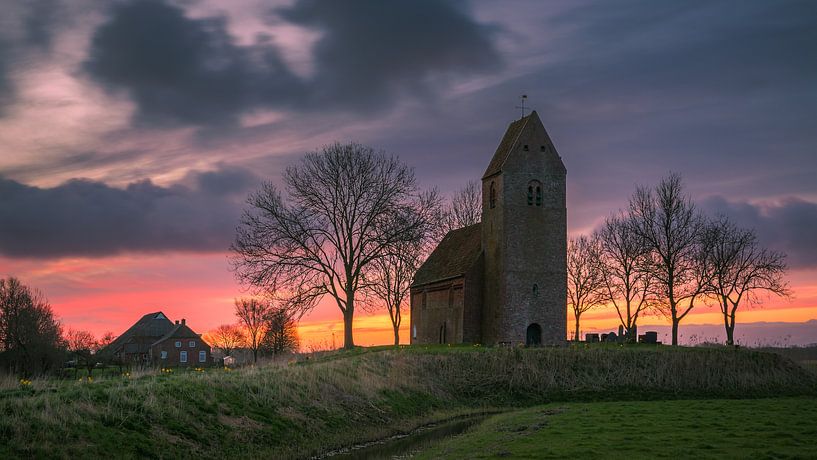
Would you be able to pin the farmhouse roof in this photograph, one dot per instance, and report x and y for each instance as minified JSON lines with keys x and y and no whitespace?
{"x":153,"y":325}
{"x":454,"y":256}
{"x":179,"y":331}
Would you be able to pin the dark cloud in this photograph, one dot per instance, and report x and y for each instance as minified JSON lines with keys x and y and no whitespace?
{"x":789,"y":225}
{"x":39,"y":21}
{"x":373,"y":50}
{"x":86,"y":218}
{"x":27,"y":28}
{"x":179,"y":69}
{"x":696,"y":47}
{"x":6,"y":89}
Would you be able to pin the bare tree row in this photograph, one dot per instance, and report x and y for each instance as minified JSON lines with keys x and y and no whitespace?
{"x":662,"y":255}
{"x":262,"y":327}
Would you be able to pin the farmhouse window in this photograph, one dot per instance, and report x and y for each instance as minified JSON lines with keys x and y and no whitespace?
{"x":192,"y":344}
{"x":202,"y":356}
{"x":178,"y":344}
{"x":183,"y":357}
{"x":164,"y":354}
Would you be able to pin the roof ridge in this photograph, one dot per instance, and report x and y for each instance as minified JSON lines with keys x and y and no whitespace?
{"x":515,"y":129}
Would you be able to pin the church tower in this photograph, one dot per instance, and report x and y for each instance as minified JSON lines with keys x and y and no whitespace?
{"x":524,"y":239}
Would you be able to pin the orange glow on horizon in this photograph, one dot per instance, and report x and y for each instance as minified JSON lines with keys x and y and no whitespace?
{"x":111,"y":293}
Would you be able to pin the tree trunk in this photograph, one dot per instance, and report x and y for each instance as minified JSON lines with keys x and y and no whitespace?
{"x":396,"y":335}
{"x":674,"y":330}
{"x":348,"y":316}
{"x":576,"y":337}
{"x":730,"y":329}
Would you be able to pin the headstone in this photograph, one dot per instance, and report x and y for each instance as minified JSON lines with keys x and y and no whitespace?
{"x":650,"y":337}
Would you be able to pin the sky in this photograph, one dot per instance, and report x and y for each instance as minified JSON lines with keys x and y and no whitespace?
{"x":131,"y":132}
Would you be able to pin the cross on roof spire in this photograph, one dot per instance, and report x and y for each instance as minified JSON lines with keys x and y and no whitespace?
{"x":523,"y":98}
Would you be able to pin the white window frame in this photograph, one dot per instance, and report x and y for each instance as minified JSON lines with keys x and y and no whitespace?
{"x":178,"y":344}
{"x":182,"y":356}
{"x":202,"y":356}
{"x":191,"y":344}
{"x":164,"y":354}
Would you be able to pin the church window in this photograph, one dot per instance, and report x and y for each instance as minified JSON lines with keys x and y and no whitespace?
{"x":542,"y":148}
{"x":535,"y":289}
{"x":534,"y":191}
{"x":492,"y":196}
{"x":525,"y":147}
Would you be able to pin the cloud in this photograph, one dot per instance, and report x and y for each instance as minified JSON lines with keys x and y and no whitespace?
{"x":179,"y":69}
{"x":87,"y":218}
{"x":372,"y":52}
{"x":788,"y":225}
{"x":192,"y":71}
{"x":26,"y":28}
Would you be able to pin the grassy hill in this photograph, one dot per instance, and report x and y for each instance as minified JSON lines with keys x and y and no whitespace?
{"x":302,"y":408}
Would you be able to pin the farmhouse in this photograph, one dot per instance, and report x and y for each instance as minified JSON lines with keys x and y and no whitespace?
{"x":155,"y":340}
{"x":504,"y":280}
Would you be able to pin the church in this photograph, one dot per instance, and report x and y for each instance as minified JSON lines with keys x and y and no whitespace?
{"x":503,"y":281}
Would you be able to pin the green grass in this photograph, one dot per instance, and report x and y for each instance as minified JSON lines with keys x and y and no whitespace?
{"x":759,"y":428}
{"x":337,"y":399}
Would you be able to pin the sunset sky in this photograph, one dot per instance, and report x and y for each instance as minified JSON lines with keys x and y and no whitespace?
{"x":131,"y":132}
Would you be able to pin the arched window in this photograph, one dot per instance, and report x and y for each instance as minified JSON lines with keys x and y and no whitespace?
{"x":535,"y":290}
{"x":534,"y":192}
{"x":492,"y":196}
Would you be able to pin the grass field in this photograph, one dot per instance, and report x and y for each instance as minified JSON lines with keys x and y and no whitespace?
{"x":748,"y":428}
{"x":333,"y":400}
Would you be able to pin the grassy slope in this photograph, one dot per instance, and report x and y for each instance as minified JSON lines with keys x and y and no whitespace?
{"x":300,"y":409}
{"x":758,"y":428}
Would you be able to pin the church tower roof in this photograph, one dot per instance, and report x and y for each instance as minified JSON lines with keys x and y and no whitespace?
{"x":510,"y":140}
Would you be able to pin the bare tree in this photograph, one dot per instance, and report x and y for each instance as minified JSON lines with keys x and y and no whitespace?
{"x":253,"y":314}
{"x":464,"y":209}
{"x":281,"y":333}
{"x":84,"y":346}
{"x":345,"y":206}
{"x":667,"y":220}
{"x":106,"y":339}
{"x":30,"y":336}
{"x":390,"y":280}
{"x":625,"y":263}
{"x":466,"y":206}
{"x":227,"y":338}
{"x":741,"y":268}
{"x":585,"y":279}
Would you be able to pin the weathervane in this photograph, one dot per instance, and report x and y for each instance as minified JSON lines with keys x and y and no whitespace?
{"x":523,"y":97}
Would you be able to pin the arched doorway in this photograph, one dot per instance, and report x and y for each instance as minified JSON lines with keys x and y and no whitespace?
{"x":534,"y":335}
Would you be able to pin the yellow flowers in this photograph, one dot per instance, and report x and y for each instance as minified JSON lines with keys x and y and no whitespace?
{"x":167,"y":370}
{"x":88,"y":379}
{"x":25,"y":383}
{"x":227,"y":369}
{"x":126,"y":375}
{"x":199,"y":369}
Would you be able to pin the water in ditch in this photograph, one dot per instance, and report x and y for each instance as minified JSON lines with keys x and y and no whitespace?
{"x":401,"y":446}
